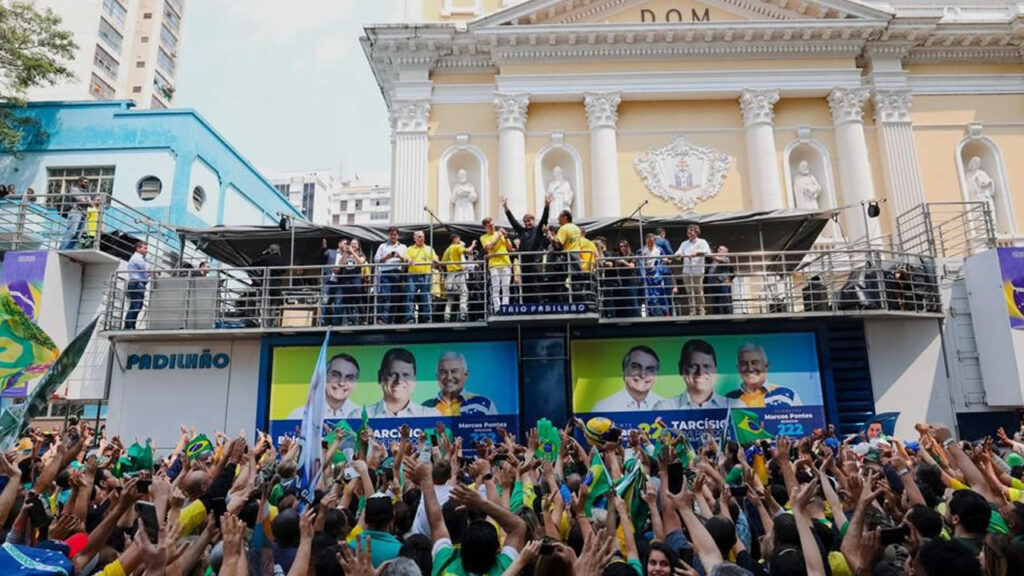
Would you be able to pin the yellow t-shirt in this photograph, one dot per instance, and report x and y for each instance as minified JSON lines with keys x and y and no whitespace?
{"x":588,"y":254}
{"x":500,"y":248}
{"x":452,"y":257}
{"x":420,"y":258}
{"x":92,"y":220}
{"x":569,"y":237}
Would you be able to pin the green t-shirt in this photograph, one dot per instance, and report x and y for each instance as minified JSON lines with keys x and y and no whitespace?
{"x":385,"y":546}
{"x":447,"y":561}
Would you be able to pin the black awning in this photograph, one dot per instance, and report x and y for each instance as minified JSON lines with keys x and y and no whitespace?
{"x":773,"y":231}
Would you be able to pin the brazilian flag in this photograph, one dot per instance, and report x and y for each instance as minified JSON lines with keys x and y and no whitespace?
{"x":748,"y":426}
{"x":598,"y":483}
{"x":348,"y":440}
{"x":199,"y":446}
{"x":365,"y":425}
{"x":631,"y":488}
{"x":550,"y":442}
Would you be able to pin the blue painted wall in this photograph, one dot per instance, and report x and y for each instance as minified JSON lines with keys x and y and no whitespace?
{"x":112,"y":127}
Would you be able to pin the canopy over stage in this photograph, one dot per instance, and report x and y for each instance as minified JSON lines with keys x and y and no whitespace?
{"x":773,"y":231}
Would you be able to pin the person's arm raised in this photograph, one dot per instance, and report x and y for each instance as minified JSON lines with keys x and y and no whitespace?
{"x":975,"y":478}
{"x":419,"y":473}
{"x":514,"y":527}
{"x":801,"y":498}
{"x":705,"y":545}
{"x":98,"y":537}
{"x":10,"y":493}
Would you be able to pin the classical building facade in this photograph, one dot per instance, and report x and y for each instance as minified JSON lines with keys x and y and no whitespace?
{"x":716,"y":105}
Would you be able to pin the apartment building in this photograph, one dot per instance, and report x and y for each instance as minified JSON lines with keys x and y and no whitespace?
{"x":127,"y":49}
{"x":359,"y":203}
{"x":310,"y":192}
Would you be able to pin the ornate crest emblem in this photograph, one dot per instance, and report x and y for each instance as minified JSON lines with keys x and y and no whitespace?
{"x":683,"y":173}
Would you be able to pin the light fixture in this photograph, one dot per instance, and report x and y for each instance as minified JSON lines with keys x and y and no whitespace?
{"x":284,"y":223}
{"x":873,"y":210}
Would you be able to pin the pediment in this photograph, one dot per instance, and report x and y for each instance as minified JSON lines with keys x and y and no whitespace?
{"x":674,"y":12}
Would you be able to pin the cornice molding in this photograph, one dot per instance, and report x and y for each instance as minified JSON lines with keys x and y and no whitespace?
{"x":942,"y":84}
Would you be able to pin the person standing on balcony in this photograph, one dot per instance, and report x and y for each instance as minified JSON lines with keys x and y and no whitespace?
{"x":393,"y":289}
{"x":653,"y":269}
{"x":691,"y":286}
{"x":718,"y":282}
{"x":92,"y":223}
{"x":138,"y":277}
{"x":531,"y":243}
{"x":422,"y":260}
{"x":455,"y":279}
{"x":499,"y":265}
{"x":73,"y":206}
{"x":567,"y":239}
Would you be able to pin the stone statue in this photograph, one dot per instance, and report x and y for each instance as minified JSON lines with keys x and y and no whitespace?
{"x":463,"y":199}
{"x":561,"y":192}
{"x":981,"y":186}
{"x":806,"y":187}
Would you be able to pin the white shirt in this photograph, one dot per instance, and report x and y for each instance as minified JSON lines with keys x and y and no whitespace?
{"x":137,"y":268}
{"x":394,"y":263}
{"x":650,"y":257}
{"x":413,"y":410}
{"x":348,"y":409}
{"x":683,"y":402}
{"x":420,"y":524}
{"x":693,"y":264}
{"x":621,"y":401}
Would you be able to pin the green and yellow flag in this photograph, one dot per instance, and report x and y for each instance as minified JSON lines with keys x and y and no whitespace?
{"x":348,"y":441}
{"x":748,"y":426}
{"x":199,"y":446}
{"x":598,"y":482}
{"x":549,"y":441}
{"x":26,"y":351}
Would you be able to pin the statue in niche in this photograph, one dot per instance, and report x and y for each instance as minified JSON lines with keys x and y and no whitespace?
{"x":806,"y":187}
{"x":981,"y":186}
{"x":463,"y":199}
{"x":560,"y":191}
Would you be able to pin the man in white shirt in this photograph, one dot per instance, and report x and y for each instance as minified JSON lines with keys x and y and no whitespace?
{"x":639,"y":374}
{"x":138,"y":277}
{"x":698,"y":365}
{"x":690,"y":288}
{"x":342,"y":375}
{"x":397,"y":378}
{"x":394,"y":299}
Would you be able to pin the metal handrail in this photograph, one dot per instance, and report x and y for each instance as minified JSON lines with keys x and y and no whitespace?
{"x":951,"y":230}
{"x":603,"y":287}
{"x":96,"y":222}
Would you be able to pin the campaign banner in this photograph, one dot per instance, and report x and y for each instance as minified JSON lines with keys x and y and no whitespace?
{"x":538,"y":308}
{"x":23,"y":274}
{"x":756,"y":386}
{"x":470,"y":387}
{"x":1011,"y":267}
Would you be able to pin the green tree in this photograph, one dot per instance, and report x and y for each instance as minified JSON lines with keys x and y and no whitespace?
{"x":34,"y":51}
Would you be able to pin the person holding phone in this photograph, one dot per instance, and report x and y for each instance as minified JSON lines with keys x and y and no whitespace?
{"x":394,"y":303}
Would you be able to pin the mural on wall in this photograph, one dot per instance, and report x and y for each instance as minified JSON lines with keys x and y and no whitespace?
{"x":683,"y":173}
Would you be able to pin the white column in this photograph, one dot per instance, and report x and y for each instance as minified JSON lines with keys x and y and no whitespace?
{"x":511,"y":111}
{"x":758,"y":108}
{"x":847,"y":106}
{"x":409,"y":160}
{"x":602,"y":115}
{"x":899,"y":154}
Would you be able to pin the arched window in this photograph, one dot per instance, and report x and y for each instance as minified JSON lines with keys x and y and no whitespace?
{"x":198,"y":198}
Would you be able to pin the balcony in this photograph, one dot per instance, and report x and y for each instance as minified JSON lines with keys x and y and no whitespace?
{"x":543,"y":288}
{"x":98,"y":230}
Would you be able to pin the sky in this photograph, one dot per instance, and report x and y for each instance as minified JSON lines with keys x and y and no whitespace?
{"x":286,"y":82}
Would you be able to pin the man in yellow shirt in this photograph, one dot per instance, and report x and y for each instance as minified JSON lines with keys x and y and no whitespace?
{"x":499,"y":265}
{"x":455,"y":285}
{"x":422,"y":259}
{"x":569,"y":239}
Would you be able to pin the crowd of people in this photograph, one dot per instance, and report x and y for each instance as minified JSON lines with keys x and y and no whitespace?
{"x":640,"y":504}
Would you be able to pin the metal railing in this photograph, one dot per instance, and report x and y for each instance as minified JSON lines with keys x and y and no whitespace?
{"x":96,"y":222}
{"x":952,"y":230}
{"x":531,"y":285}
